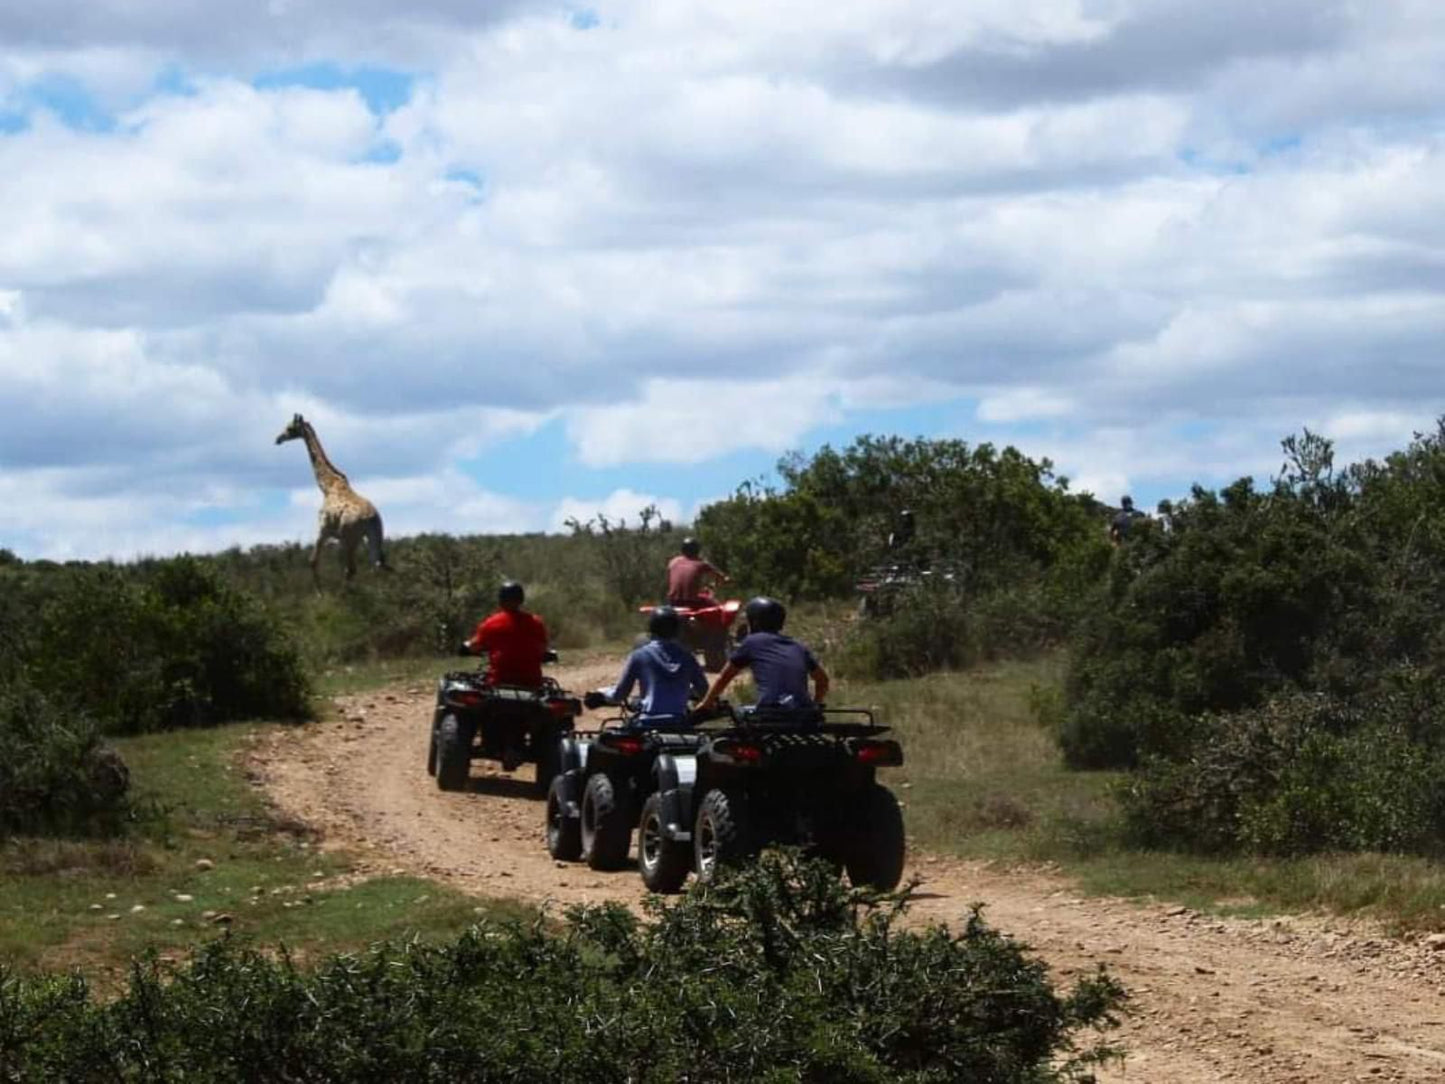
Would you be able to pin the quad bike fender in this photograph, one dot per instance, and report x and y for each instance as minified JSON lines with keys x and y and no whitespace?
{"x":569,"y":792}
{"x":574,"y":755}
{"x":677,"y":813}
{"x":674,"y":771}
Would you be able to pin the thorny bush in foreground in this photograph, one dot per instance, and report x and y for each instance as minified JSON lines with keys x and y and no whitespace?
{"x":780,"y":974}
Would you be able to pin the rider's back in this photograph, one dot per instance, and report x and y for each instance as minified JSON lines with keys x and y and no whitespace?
{"x":515,"y":642}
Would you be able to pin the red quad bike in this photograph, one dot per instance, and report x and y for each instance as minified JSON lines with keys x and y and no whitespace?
{"x":508,"y":723}
{"x":706,"y":628}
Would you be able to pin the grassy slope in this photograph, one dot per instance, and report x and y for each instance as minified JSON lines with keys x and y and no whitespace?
{"x":58,"y":895}
{"x":984,"y":780}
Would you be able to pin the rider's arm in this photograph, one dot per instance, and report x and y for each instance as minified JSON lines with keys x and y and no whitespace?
{"x":721,"y":682}
{"x":696,"y":679}
{"x":820,"y":684}
{"x":722,"y":576}
{"x":623,"y":688}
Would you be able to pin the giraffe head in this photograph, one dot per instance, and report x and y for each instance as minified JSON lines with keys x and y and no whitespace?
{"x":295,"y":431}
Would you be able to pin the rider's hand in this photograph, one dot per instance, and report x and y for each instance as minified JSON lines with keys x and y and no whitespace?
{"x":465,"y":648}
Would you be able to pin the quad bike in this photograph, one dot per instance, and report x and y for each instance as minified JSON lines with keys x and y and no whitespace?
{"x":706,"y":628}
{"x":798,"y":777}
{"x":511,"y":724}
{"x":608,"y":783}
{"x":880,"y":587}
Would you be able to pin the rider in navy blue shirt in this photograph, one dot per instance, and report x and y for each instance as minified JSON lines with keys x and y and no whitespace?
{"x":667,"y":671}
{"x":781,"y":666}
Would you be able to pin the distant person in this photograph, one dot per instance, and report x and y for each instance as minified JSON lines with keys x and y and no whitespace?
{"x":667,"y":672}
{"x":1123,"y":520}
{"x":514,"y":641}
{"x":1164,"y":513}
{"x":780,"y":665}
{"x":687,"y":576}
{"x":901,"y":537}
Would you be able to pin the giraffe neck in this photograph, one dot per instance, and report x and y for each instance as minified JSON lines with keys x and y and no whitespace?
{"x":327,"y":476}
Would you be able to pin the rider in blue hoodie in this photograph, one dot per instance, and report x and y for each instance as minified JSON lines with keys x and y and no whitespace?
{"x":666,"y":670}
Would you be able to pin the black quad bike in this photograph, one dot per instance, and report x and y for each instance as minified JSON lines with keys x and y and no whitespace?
{"x":804,"y":778}
{"x":511,"y":724}
{"x":608,"y":784}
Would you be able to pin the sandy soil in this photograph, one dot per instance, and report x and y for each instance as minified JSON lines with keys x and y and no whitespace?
{"x":1289,"y":1000}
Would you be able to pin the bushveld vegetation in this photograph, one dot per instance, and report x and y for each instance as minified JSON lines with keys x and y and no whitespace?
{"x":778,"y":975}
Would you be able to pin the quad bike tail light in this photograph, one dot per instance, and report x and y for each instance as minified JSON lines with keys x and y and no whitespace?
{"x":743,"y":752}
{"x":467,"y":698}
{"x":879,"y":754}
{"x":626,"y":744}
{"x":563,"y":707}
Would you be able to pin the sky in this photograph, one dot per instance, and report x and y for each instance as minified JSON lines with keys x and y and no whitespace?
{"x":519,"y":262}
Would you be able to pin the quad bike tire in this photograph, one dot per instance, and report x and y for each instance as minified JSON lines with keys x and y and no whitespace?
{"x":720,"y":835}
{"x":876,"y":847}
{"x":564,"y":833}
{"x":606,"y":834}
{"x":664,"y":863}
{"x":549,"y":764}
{"x":431,"y":752}
{"x":454,"y":752}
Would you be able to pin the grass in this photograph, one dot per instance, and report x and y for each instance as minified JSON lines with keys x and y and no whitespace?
{"x":72,"y":903}
{"x":983,"y":779}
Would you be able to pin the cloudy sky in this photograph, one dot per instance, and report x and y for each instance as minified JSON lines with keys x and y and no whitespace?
{"x":519,"y":261}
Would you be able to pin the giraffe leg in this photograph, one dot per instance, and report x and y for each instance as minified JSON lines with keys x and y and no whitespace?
{"x":316,"y":561}
{"x":350,"y":548}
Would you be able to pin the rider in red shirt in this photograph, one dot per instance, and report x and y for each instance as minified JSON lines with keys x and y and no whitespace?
{"x":514,"y":640}
{"x":687,"y":575}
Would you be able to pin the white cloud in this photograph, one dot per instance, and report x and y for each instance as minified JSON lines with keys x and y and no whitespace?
{"x":695,"y":229}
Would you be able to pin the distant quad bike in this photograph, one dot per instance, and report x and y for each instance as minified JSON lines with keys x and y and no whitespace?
{"x":806,"y":778}
{"x":880,"y":587}
{"x":608,"y":784}
{"x":511,"y":724}
{"x":707,"y":629}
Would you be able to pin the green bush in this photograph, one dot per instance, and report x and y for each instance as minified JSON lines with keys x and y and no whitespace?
{"x":55,"y":773}
{"x":162,"y":645}
{"x":1304,"y":773}
{"x":775,"y":977}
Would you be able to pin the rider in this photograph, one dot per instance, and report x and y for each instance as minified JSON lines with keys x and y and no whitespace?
{"x":687,"y":575}
{"x":667,"y":671}
{"x":515,"y":641}
{"x":781,"y":665}
{"x":1123,"y":520}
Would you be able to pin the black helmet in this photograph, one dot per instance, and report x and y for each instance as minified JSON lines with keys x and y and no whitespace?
{"x":510,"y":594}
{"x":1126,"y":501}
{"x":765,"y":614}
{"x":690,"y":547}
{"x":664,"y":624}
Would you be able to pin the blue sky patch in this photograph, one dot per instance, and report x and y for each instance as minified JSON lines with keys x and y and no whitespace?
{"x":584,"y":19}
{"x":384,"y":89}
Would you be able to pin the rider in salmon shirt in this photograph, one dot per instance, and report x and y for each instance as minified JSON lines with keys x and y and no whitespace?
{"x":515,"y":641}
{"x":687,"y":576}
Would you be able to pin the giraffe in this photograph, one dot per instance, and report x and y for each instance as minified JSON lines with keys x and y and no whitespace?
{"x":346,"y":515}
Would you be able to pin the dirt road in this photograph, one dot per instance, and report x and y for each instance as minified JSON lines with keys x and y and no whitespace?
{"x":1290,"y":1000}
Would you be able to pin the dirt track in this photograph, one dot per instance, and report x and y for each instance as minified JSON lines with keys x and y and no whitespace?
{"x":1298,"y":999}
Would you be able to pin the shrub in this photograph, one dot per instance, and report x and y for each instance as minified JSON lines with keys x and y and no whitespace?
{"x":1302,"y":774}
{"x":55,"y":773}
{"x":168,"y":645}
{"x":774,"y":977}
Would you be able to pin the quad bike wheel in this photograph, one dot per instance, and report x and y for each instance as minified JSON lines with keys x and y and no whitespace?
{"x":720,"y":835}
{"x":606,"y":834}
{"x":453,"y":752}
{"x":431,"y":752}
{"x":875,"y":850}
{"x":564,"y":833}
{"x":664,"y":862}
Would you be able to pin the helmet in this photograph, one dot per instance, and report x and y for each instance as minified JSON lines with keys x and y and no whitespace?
{"x":765,"y":614}
{"x":664,"y":624}
{"x":690,"y":547}
{"x":1126,"y":501}
{"x":510,"y":594}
